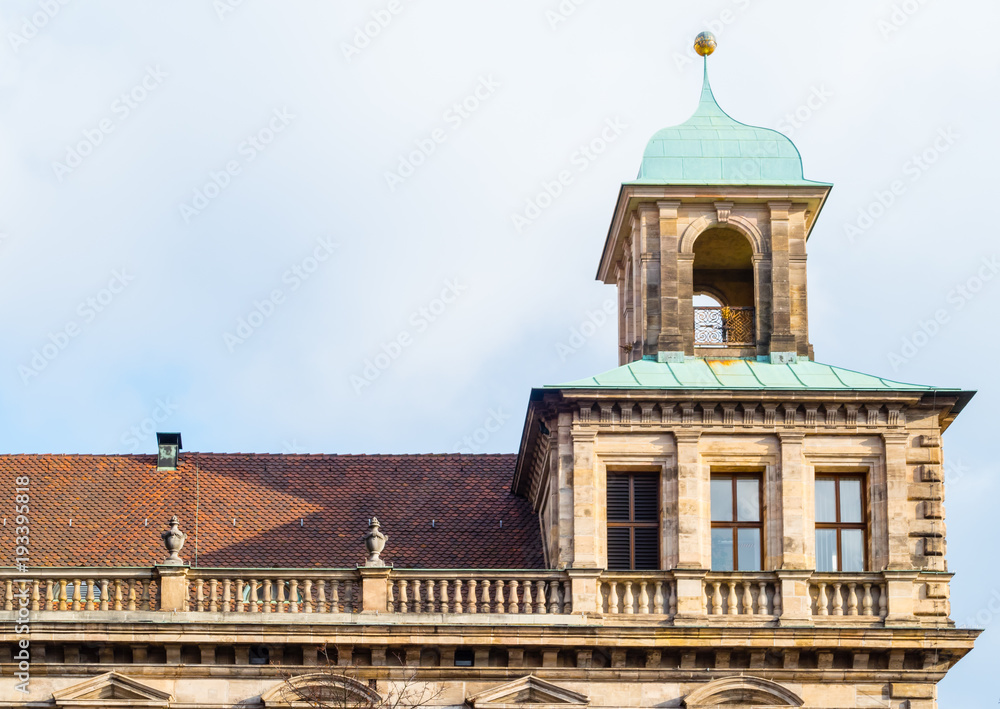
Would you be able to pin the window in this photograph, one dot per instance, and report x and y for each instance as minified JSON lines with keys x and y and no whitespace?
{"x":633,"y":521}
{"x":840,"y":523}
{"x":736,"y":523}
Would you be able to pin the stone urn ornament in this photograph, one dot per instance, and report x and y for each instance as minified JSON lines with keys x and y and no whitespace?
{"x":173,"y":540}
{"x":375,"y":542}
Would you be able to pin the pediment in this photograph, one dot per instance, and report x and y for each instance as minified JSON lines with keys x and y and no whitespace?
{"x":527,"y":690}
{"x":321,"y":688}
{"x":111,"y":689}
{"x":742,"y":691}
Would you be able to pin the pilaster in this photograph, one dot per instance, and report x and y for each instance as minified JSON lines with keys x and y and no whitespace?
{"x":670,"y":346}
{"x":692,"y":517}
{"x":797,"y":538}
{"x":585,"y":502}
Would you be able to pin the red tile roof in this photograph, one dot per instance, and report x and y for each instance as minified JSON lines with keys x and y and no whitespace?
{"x":289,"y":510}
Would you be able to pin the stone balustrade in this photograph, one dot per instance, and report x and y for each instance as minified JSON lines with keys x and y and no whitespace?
{"x":683,"y":596}
{"x":445,"y":591}
{"x":848,"y":594}
{"x":742,"y":594}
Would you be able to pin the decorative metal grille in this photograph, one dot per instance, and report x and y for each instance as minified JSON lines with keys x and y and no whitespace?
{"x":724,"y":327}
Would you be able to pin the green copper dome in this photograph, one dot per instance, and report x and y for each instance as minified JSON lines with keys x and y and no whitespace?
{"x":710,"y":148}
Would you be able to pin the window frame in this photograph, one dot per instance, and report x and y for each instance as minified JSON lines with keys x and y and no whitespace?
{"x":632,"y":525}
{"x":838,"y":526}
{"x":734,"y":524}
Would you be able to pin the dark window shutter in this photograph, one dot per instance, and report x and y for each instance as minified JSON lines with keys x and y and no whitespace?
{"x":618,"y":548}
{"x":618,"y":507}
{"x":647,"y":548}
{"x":647,"y":503}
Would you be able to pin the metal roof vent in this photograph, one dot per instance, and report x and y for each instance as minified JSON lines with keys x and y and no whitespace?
{"x":168,"y":446}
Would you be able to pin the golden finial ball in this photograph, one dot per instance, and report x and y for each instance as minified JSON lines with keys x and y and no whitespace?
{"x":705,"y":43}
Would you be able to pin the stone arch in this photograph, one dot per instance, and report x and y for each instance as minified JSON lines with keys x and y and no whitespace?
{"x":306,"y":690}
{"x":713,"y":292}
{"x":737,"y":223}
{"x":742,"y":691}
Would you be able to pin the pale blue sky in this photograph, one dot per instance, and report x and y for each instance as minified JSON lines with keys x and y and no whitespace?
{"x":100,"y":193}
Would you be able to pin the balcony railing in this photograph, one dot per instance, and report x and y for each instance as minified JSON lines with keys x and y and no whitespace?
{"x":724,"y":327}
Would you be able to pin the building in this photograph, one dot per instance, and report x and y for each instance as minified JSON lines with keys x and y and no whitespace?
{"x":721,"y":520}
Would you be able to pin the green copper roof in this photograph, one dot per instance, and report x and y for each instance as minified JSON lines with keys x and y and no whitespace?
{"x":711,"y":148}
{"x":700,"y":373}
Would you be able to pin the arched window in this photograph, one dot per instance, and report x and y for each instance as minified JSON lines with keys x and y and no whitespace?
{"x":723,"y":284}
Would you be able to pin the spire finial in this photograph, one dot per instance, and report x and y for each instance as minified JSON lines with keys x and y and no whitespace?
{"x":705,"y":43}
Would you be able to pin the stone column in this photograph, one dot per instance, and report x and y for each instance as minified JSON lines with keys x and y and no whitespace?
{"x":585,"y":501}
{"x":782,"y":341}
{"x":564,"y":512}
{"x":895,"y":504}
{"x":670,"y":347}
{"x":693,"y":536}
{"x":647,"y":235}
{"x":762,"y":302}
{"x":798,"y":540}
{"x":685,"y":300}
{"x":173,"y":585}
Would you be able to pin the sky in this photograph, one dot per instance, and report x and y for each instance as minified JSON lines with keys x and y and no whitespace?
{"x":316,"y":227}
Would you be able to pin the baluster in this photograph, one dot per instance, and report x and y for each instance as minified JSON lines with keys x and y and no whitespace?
{"x":731,"y":598}
{"x":613,"y":597}
{"x":672,"y":604}
{"x":118,"y":594}
{"x":335,"y":596}
{"x":321,"y":596}
{"x":567,"y":604}
{"x":51,"y":603}
{"x":643,"y":598}
{"x":146,"y":603}
{"x":213,"y":590}
{"x":629,"y":599}
{"x":77,"y":594}
{"x":776,"y":600}
{"x":429,"y":602}
{"x":293,"y":596}
{"x":443,"y":594}
{"x":89,"y":598}
{"x":600,"y":596}
{"x":63,"y":595}
{"x":838,"y":601}
{"x":512,"y":606}
{"x":254,"y":607}
{"x":133,"y":597}
{"x":852,"y":598}
{"x":540,"y":597}
{"x":267,"y":595}
{"x":762,"y":598}
{"x":485,"y":604}
{"x":747,"y":599}
{"x":279,"y":605}
{"x":227,"y":595}
{"x":238,"y":606}
{"x":200,"y":594}
{"x":658,"y":598}
{"x":883,"y":601}
{"x":498,"y":585}
{"x":8,"y":595}
{"x":458,"y":591}
{"x":526,"y":597}
{"x":104,"y":605}
{"x":309,"y":595}
{"x":717,"y":598}
{"x":866,"y":602}
{"x":403,"y":597}
{"x":822,"y":601}
{"x":35,"y":588}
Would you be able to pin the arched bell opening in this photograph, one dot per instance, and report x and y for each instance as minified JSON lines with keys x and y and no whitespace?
{"x":723,"y":287}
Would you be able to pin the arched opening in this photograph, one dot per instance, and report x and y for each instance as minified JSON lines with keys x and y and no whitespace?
{"x":723,"y":287}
